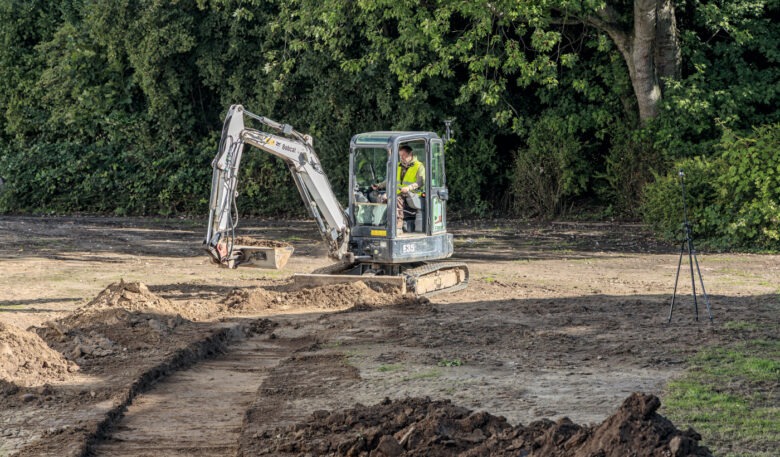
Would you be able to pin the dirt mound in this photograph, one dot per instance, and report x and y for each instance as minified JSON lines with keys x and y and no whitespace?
{"x":26,"y":360}
{"x":123,"y":316}
{"x":131,"y":296}
{"x":423,"y":427}
{"x":637,"y":426}
{"x":334,"y":296}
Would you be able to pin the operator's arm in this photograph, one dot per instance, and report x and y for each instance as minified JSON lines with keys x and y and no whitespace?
{"x":420,"y":181}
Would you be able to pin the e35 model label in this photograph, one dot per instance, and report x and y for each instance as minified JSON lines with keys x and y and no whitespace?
{"x":407,"y":248}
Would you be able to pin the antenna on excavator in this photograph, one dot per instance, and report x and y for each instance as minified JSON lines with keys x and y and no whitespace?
{"x":448,"y":133}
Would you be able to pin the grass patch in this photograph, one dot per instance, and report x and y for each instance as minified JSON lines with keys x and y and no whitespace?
{"x":276,"y":273}
{"x":729,"y":259}
{"x":293,"y":238}
{"x":741,"y":325}
{"x":738,"y":273}
{"x":756,"y":361}
{"x":729,"y":395}
{"x":390,"y":368}
{"x":333,"y":344}
{"x":475,"y":242}
{"x":430,"y":374}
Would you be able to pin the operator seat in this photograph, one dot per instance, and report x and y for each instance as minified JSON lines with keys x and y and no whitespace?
{"x":414,"y":214}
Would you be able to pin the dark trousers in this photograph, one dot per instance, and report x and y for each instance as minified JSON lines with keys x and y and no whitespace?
{"x":399,"y":211}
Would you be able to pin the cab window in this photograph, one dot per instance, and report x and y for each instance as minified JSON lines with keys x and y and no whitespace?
{"x":370,"y":169}
{"x":437,"y":165}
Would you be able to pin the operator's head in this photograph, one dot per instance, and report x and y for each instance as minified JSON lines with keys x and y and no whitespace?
{"x":405,"y":153}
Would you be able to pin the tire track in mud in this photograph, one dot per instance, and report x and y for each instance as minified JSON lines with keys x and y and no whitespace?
{"x":198,"y":411}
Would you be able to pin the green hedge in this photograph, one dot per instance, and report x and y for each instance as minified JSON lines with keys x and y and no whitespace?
{"x":733,"y":198}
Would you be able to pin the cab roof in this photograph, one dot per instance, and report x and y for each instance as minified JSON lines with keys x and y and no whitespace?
{"x":386,"y":138}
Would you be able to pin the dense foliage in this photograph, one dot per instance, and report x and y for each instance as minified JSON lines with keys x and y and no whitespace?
{"x":732,"y":198}
{"x":115,"y":106}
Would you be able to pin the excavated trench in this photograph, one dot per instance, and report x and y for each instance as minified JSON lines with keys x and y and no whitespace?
{"x":131,"y":373}
{"x":198,"y":411}
{"x":260,"y":398}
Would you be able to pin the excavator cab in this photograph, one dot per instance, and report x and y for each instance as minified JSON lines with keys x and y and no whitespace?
{"x":374,"y":159}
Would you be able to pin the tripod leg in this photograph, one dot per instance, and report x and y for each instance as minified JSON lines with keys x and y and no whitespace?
{"x":693,"y":282}
{"x":701,"y":281}
{"x":676,"y":278}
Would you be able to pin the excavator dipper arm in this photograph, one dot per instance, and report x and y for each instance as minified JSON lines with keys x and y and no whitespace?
{"x":296,"y":150}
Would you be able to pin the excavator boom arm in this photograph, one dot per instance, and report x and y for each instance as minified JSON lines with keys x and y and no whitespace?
{"x":296,"y":150}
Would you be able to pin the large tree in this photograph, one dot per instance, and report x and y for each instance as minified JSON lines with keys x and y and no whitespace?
{"x":649,"y":44}
{"x":496,"y":46}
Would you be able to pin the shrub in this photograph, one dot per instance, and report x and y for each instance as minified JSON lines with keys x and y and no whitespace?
{"x":629,"y":166}
{"x":662,"y":200}
{"x":549,"y":171}
{"x":749,"y":188}
{"x":732,"y":199}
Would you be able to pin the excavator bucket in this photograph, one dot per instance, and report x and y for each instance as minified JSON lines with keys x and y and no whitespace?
{"x":274,"y":258}
{"x":250,"y":252}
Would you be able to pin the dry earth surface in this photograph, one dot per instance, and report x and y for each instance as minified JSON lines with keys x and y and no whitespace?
{"x":119,"y":337}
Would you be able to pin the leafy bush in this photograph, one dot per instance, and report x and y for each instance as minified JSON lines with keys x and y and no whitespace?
{"x":730,"y":62}
{"x":549,"y":171}
{"x":629,"y":166}
{"x":732,"y":199}
{"x":749,"y":188}
{"x":472,"y":175}
{"x":662,"y":205}
{"x":113,"y":107}
{"x":71,"y":177}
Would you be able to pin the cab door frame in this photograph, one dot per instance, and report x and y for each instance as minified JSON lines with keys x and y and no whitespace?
{"x":436,"y":188}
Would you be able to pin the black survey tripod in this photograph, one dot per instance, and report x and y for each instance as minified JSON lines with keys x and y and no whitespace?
{"x":688,"y":241}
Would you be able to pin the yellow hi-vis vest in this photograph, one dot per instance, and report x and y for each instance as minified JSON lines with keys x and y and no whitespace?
{"x":410,"y":177}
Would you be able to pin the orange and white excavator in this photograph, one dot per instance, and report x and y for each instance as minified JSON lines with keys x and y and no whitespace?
{"x":365,"y":243}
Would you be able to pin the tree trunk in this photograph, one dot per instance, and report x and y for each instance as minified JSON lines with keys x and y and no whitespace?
{"x":651,"y":50}
{"x":641,"y":62}
{"x":668,"y":59}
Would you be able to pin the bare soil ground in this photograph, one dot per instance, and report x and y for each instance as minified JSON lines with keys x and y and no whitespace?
{"x":118,"y":337}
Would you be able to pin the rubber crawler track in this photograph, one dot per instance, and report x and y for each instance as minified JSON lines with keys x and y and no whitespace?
{"x":411,"y":274}
{"x":414,"y":273}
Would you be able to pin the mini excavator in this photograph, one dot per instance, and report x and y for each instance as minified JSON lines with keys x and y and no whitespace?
{"x":364,"y":239}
